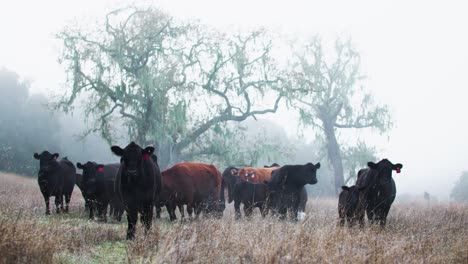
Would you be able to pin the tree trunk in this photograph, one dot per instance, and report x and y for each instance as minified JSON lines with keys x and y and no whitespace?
{"x":167,"y":156}
{"x":333,"y":150}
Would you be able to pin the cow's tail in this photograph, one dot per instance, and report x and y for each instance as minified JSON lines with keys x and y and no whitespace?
{"x":221,"y":203}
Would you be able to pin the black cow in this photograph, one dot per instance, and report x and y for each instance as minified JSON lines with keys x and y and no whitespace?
{"x":347,"y":204}
{"x":251,"y":195}
{"x":55,"y":178}
{"x":377,"y":191}
{"x":137,"y":184}
{"x":98,"y":185}
{"x":286,"y":185}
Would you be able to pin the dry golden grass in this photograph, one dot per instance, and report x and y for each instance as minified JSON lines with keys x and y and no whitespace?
{"x":415,"y":233}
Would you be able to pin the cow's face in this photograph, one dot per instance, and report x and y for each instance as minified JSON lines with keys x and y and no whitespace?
{"x":311,"y":175}
{"x":384,"y":169}
{"x":47,"y":162}
{"x":353,"y":194}
{"x":132,"y":157}
{"x":91,"y":171}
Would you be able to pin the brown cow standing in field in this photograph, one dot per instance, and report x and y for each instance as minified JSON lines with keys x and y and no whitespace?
{"x":197,"y":185}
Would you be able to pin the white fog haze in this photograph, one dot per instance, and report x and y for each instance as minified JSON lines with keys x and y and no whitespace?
{"x":414,"y":55}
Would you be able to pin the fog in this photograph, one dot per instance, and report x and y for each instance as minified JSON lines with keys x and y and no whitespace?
{"x":414,"y":55}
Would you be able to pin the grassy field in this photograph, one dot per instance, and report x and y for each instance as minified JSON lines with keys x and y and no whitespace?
{"x":415,"y":233}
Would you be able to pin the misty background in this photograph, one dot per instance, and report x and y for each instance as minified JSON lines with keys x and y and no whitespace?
{"x":413,"y":55}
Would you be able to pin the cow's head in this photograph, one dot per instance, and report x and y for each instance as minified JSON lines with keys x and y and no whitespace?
{"x":311,"y":172}
{"x":47,"y":162}
{"x":91,"y":172}
{"x":353,"y":194}
{"x":132,"y":157}
{"x":384,"y":169}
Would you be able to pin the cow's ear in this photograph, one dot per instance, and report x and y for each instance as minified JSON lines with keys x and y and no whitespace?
{"x":55,"y":156}
{"x":345,"y":188}
{"x":149,"y":151}
{"x":397,"y":166}
{"x":234,"y":172}
{"x":100,"y":167}
{"x":117,"y":151}
{"x":79,"y":165}
{"x":36,"y":156}
{"x":317,"y":166}
{"x":372,"y":165}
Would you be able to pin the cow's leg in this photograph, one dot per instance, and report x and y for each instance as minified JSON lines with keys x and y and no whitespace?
{"x":190,"y":210}
{"x":263,"y":209}
{"x":158,"y":212}
{"x":237,"y":209}
{"x":46,"y":200}
{"x":67,"y":202}
{"x":181,"y":210}
{"x":102,"y":211}
{"x":171,"y":211}
{"x":197,"y":209}
{"x":92,"y":206}
{"x":58,"y":200}
{"x":282,"y":212}
{"x":147,"y":216}
{"x":295,"y":207}
{"x":132,"y":216}
{"x":341,"y":220}
{"x":248,"y":209}
{"x":62,"y":198}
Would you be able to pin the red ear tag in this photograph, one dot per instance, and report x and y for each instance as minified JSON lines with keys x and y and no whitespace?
{"x":145,"y":156}
{"x":398,"y":170}
{"x":100,"y":169}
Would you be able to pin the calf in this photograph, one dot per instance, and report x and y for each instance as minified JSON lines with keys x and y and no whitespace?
{"x":251,"y":195}
{"x":98,"y":185}
{"x":347,"y":204}
{"x":55,"y":178}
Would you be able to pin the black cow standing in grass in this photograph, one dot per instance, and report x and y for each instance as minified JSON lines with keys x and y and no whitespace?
{"x":251,"y":195}
{"x":55,"y":178}
{"x":137,"y":184}
{"x":286,"y":185}
{"x":347,"y":204}
{"x":377,"y":191}
{"x":98,"y":188}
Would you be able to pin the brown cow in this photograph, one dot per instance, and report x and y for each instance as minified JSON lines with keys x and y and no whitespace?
{"x":196,"y":185}
{"x":256,"y":175}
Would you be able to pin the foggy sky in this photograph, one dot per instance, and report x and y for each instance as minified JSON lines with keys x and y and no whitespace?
{"x":414,"y":55}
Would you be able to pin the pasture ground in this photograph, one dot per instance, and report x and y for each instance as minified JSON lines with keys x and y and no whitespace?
{"x":416,"y":233}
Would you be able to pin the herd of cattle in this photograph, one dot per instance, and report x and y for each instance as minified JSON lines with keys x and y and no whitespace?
{"x":136,"y":185}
